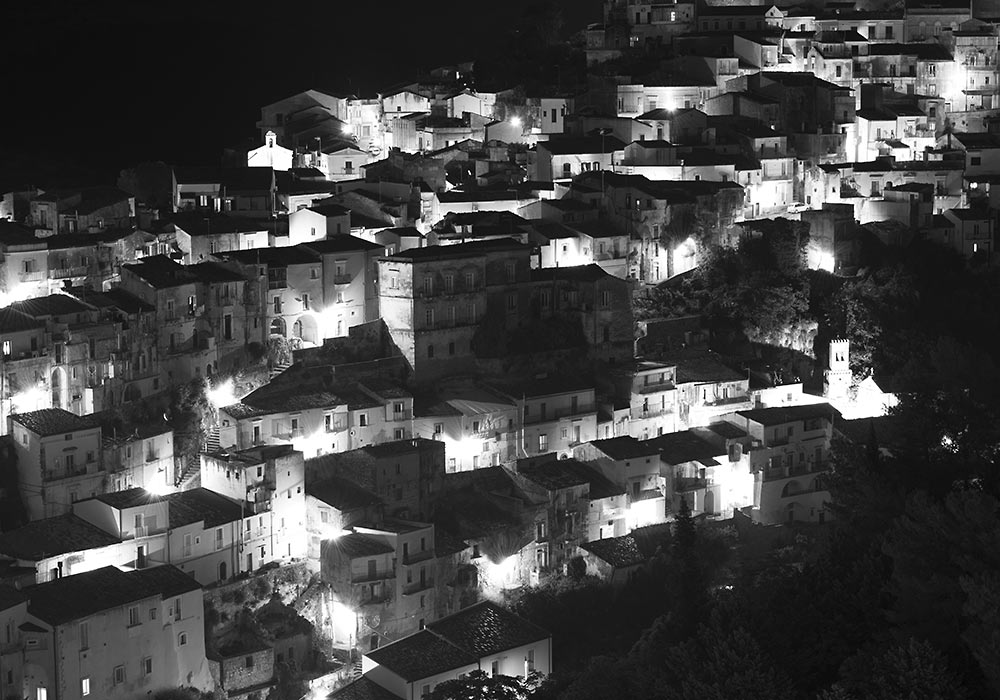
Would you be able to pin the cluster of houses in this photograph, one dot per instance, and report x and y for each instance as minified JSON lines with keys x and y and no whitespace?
{"x":460,"y":402}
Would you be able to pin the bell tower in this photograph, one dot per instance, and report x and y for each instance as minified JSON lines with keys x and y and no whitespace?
{"x":837,"y":377}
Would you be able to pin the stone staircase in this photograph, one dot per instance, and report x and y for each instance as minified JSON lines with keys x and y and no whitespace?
{"x":279,"y":368}
{"x":212,"y":444}
{"x":190,"y":477}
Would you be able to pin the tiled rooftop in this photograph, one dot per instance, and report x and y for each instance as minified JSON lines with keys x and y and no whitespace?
{"x":82,"y":595}
{"x":53,"y":421}
{"x":53,"y":536}
{"x":485,"y":629}
{"x":421,"y":655}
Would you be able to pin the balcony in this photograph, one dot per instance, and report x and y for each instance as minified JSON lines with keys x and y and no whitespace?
{"x":551,"y":415}
{"x":417,"y":557}
{"x":727,"y":401}
{"x":56,"y":475}
{"x":405,"y":414}
{"x":64,"y":272}
{"x":683,"y":484}
{"x":366,"y":578}
{"x":418,"y":587}
{"x":376,"y":601}
{"x":772,"y":473}
{"x":342,"y":279}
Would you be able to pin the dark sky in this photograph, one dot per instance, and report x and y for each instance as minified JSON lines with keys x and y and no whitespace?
{"x":103,"y":85}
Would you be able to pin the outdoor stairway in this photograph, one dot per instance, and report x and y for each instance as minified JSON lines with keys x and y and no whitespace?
{"x":212,"y":444}
{"x":279,"y":368}
{"x":192,"y":472}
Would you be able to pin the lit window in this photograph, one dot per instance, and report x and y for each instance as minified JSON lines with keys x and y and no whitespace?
{"x":84,"y":686}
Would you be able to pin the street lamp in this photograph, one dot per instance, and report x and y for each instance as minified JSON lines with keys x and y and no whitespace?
{"x":604,"y":131}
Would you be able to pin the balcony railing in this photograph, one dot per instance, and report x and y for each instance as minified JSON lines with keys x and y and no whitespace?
{"x":63,"y":272}
{"x":57,"y":474}
{"x":784,"y":472}
{"x":550,"y":415}
{"x":417,"y":557}
{"x":342,"y":279}
{"x":418,"y":587}
{"x":366,"y":578}
{"x":405,"y":414}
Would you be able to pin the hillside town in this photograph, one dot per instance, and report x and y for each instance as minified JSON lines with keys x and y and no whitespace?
{"x":512,"y":343}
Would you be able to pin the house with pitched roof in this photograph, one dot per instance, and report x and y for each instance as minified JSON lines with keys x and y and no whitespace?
{"x":789,"y":454}
{"x":633,"y":465}
{"x":13,"y":615}
{"x":58,"y":460}
{"x":114,"y":634}
{"x":481,"y":637}
{"x":269,"y":484}
{"x":349,"y":270}
{"x":63,"y":545}
{"x":173,"y":290}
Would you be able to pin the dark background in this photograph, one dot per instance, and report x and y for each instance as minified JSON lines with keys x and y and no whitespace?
{"x":90,"y":88}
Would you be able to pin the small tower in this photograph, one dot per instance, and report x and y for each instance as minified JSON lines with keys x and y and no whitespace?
{"x":837,"y":378}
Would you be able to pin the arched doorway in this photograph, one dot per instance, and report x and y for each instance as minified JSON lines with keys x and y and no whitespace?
{"x":223,"y":571}
{"x":278,"y":327}
{"x":710,"y":502}
{"x":306,"y":329}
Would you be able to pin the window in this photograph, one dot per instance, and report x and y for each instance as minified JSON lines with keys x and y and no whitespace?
{"x":567,"y":170}
{"x":511,"y":303}
{"x":363,"y":420}
{"x":85,"y":686}
{"x":430,"y":351}
{"x":975,"y":160}
{"x":511,"y":269}
{"x":429,"y":316}
{"x":119,"y":675}
{"x":470,"y":280}
{"x":428,"y":285}
{"x":84,"y":636}
{"x":398,"y":434}
{"x":495,"y":668}
{"x":529,"y":662}
{"x":449,"y":283}
{"x":305,"y":302}
{"x":543,"y":442}
{"x":248,"y":662}
{"x":840,"y":71}
{"x":277,"y":305}
{"x":152,"y":613}
{"x":147,"y":666}
{"x":182,"y":639}
{"x":425,"y":691}
{"x":218,"y":538}
{"x":133,"y":616}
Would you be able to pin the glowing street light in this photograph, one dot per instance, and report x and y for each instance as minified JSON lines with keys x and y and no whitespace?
{"x":516,"y":122}
{"x":223,"y":395}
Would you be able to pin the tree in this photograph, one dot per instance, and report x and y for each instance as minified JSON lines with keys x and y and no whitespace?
{"x":480,"y":686}
{"x":150,"y":183}
{"x":689,"y":573}
{"x":914,"y":670}
{"x":934,"y":548}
